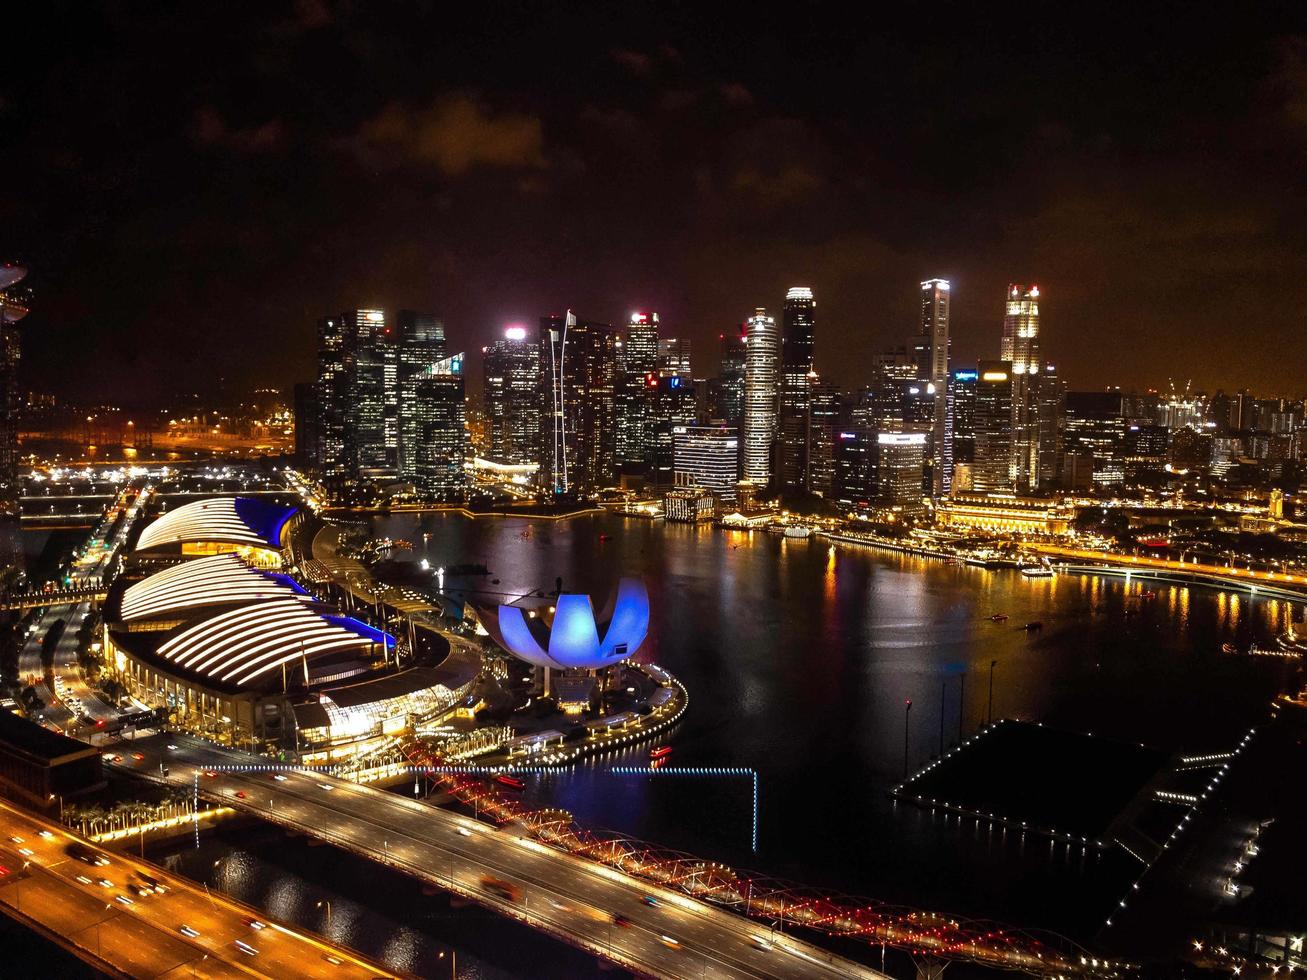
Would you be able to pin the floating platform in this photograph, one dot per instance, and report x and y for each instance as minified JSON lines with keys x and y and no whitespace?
{"x":1069,"y":786}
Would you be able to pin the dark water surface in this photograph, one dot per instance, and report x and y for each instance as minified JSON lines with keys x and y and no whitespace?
{"x":799,"y":656}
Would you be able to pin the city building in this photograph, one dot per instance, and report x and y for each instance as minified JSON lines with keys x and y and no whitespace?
{"x":435,"y":406}
{"x":689,"y":504}
{"x":901,"y":461}
{"x":306,"y":423}
{"x":1095,"y":426}
{"x":797,"y":342}
{"x":856,"y":458}
{"x":13,"y":307}
{"x":932,"y":355}
{"x":708,"y":457}
{"x":1004,"y":513}
{"x":960,"y":421}
{"x":419,"y":342}
{"x":578,"y":368}
{"x":673,"y":406}
{"x":991,"y":465}
{"x":637,"y":371}
{"x":761,"y":390}
{"x":730,"y":402}
{"x":674,"y":357}
{"x":510,"y":398}
{"x":358,"y":416}
{"x":1020,"y":348}
{"x":825,"y":411}
{"x":205,"y":624}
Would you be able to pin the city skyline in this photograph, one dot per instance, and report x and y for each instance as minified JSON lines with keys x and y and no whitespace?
{"x":1154,"y":215}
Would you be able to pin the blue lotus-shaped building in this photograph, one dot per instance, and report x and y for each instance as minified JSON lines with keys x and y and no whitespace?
{"x":570,"y":636}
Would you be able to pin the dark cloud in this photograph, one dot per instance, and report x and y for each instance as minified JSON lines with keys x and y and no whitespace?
{"x":456,"y":134}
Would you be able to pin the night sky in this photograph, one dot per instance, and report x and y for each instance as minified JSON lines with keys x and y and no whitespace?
{"x":194,"y":184}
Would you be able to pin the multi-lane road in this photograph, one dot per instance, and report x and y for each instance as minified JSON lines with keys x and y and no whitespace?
{"x":70,"y":702}
{"x":115,"y":918}
{"x":649,"y":929}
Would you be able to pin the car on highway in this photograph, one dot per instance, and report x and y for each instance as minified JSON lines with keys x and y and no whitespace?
{"x":87,"y":855}
{"x":669,"y":942}
{"x":138,"y":757}
{"x":240,"y":794}
{"x":504,"y":889}
{"x":246,"y":948}
{"x":622,"y":921}
{"x":256,"y":924}
{"x":188,"y":932}
{"x":650,"y":901}
{"x":464,"y":832}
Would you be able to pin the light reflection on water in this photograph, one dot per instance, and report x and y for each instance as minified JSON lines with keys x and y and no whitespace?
{"x":799,"y":657}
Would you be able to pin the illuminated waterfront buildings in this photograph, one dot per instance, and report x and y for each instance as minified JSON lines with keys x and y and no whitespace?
{"x":435,"y":406}
{"x":730,"y":401}
{"x":824,"y":411}
{"x":419,"y":342}
{"x":761,"y":364}
{"x":510,"y":397}
{"x":797,"y":342}
{"x":901,"y":458}
{"x":13,"y":307}
{"x":672,"y":407}
{"x":1020,"y":349}
{"x":355,"y":357}
{"x":1095,"y":428}
{"x":991,"y":467}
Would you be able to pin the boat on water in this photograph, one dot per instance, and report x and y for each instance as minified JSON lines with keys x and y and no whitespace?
{"x":797,"y":531}
{"x":1032,"y":627}
{"x":1229,"y":648}
{"x":1037,"y":571}
{"x":660,"y":752}
{"x":1148,"y":594}
{"x":512,"y":782}
{"x":998,"y":618}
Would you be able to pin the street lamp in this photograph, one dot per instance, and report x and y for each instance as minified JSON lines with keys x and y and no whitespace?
{"x":328,"y":905}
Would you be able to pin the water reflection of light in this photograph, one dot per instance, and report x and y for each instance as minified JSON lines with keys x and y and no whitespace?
{"x":829,"y":579}
{"x":402,"y":949}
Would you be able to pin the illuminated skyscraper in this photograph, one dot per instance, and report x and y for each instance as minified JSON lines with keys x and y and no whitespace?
{"x":510,"y":397}
{"x":730,"y":404}
{"x":672,"y":407}
{"x":435,"y":406}
{"x":824,"y":409}
{"x":13,"y":307}
{"x":991,"y":469}
{"x":419,"y":342}
{"x":355,"y":358}
{"x":637,"y":363}
{"x":933,"y":346}
{"x":761,"y":363}
{"x":674,"y":357}
{"x":796,"y":364}
{"x":1020,"y":348}
{"x":578,"y":367}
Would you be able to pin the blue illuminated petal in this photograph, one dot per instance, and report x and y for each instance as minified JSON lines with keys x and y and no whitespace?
{"x":517,"y":636}
{"x":630,"y":622}
{"x":574,"y":639}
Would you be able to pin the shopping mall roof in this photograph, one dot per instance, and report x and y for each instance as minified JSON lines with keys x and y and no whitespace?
{"x":226,"y":520}
{"x":237,"y":647}
{"x":214,"y":581}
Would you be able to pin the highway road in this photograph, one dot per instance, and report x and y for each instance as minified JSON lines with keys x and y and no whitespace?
{"x":662,"y":933}
{"x":69,"y":699}
{"x":101,"y":910}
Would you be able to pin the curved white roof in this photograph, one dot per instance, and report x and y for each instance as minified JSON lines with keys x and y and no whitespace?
{"x":231,"y":520}
{"x":240,"y":645}
{"x":213,"y":581}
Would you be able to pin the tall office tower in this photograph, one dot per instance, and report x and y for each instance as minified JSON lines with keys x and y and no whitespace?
{"x":824,"y":410}
{"x":901,"y":460}
{"x":796,"y":364}
{"x":730,"y":406}
{"x":510,"y":397}
{"x":1049,"y":417}
{"x":337,"y":460}
{"x":761,"y":364}
{"x":633,"y":441}
{"x":894,"y":372}
{"x":435,"y":408}
{"x":1096,"y":427}
{"x":674,"y":357}
{"x":707,"y":456}
{"x":856,"y":483}
{"x":1020,"y":348}
{"x":306,"y":424}
{"x":14,"y":304}
{"x":991,"y":468}
{"x":960,"y":431}
{"x":578,"y":367}
{"x":1185,"y":408}
{"x":418,"y":341}
{"x":673,"y":408}
{"x":933,"y":346}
